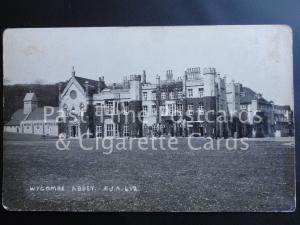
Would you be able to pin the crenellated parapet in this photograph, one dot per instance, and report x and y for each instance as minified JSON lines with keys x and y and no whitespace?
{"x":193,"y":73}
{"x":135,"y":77}
{"x":209,"y":70}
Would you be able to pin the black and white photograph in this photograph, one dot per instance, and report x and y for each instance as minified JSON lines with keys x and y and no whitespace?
{"x":149,"y":119}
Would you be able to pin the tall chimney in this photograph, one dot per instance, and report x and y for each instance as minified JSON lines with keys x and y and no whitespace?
{"x":73,"y":71}
{"x":59,"y":91}
{"x":125,"y":81}
{"x":157,"y":80}
{"x":99,"y":84}
{"x":169,"y":75}
{"x":144,"y":77}
{"x":185,"y":76}
{"x":86,"y":84}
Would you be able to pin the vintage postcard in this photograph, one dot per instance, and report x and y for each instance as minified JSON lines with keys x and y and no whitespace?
{"x":176,"y":119}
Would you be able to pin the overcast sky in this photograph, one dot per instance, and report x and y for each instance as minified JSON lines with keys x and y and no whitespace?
{"x":259,"y":57}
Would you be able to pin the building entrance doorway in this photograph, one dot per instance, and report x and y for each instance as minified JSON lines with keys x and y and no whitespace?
{"x":180,"y":131}
{"x":201,"y":131}
{"x":74,"y":130}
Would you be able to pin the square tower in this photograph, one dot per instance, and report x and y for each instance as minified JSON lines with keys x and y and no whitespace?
{"x":30,"y":102}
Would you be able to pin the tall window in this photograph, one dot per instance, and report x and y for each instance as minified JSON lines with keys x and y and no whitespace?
{"x":200,"y":92}
{"x":171,"y":95}
{"x":99,"y":131}
{"x":153,"y":109}
{"x":109,"y":107}
{"x":163,"y":95}
{"x":99,"y":109}
{"x":191,"y":109}
{"x":163,"y":110}
{"x":170,"y":109}
{"x":126,"y":107}
{"x":179,"y":109}
{"x":116,"y":130}
{"x":125,"y":130}
{"x":153,"y":95}
{"x":190,"y":92}
{"x":154,"y":130}
{"x":109,"y":130}
{"x":145,"y":110}
{"x":145,"y":129}
{"x":201,"y":108}
{"x":144,"y":95}
{"x":179,"y":94}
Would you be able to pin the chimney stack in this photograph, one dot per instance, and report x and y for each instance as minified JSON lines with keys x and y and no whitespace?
{"x":126,"y":82}
{"x":144,"y":77}
{"x":86,"y":84}
{"x":73,"y":71}
{"x":99,"y":84}
{"x":185,"y":77}
{"x":157,"y":80}
{"x":59,"y":91}
{"x":169,"y":75}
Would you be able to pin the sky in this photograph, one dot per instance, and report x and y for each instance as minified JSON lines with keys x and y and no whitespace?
{"x":259,"y":57}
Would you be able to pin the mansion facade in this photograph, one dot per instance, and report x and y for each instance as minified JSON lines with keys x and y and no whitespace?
{"x":199,"y":103}
{"x":139,"y":108}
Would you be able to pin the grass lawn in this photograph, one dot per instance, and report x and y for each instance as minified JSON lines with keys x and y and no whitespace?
{"x":258,"y":179}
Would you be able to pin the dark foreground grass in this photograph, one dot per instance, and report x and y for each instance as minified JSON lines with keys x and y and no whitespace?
{"x":258,"y":179}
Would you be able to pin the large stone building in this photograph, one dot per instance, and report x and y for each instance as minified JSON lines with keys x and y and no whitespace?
{"x":177,"y":107}
{"x":275,"y":120}
{"x":198,"y":103}
{"x":138,"y":108}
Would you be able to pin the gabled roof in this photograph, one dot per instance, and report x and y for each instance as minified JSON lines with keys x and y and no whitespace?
{"x":82,"y":81}
{"x":38,"y":114}
{"x":250,"y":95}
{"x":16,"y":118}
{"x":30,"y":97}
{"x":262,"y":100}
{"x":93,"y":84}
